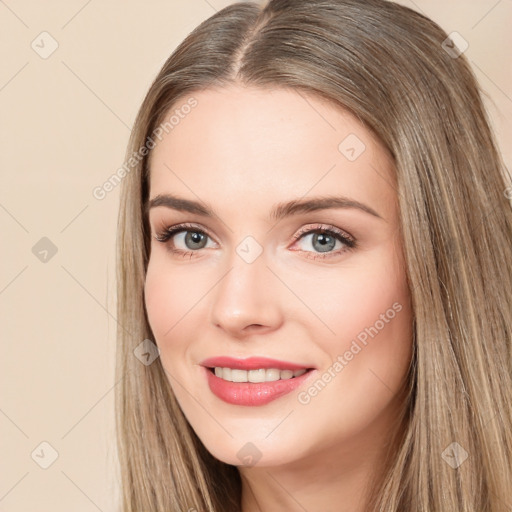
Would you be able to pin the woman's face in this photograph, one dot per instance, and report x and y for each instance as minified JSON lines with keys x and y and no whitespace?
{"x":322,"y":289}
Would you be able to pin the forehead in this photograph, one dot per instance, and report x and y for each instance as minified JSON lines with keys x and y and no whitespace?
{"x":251,"y":147}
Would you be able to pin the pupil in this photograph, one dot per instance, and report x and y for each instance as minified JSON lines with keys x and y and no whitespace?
{"x":194,"y":237}
{"x":325,"y":245}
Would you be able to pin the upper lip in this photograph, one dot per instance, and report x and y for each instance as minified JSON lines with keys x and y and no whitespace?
{"x":251,"y":363}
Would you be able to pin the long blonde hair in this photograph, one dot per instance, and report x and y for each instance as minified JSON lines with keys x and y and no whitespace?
{"x":392,"y":68}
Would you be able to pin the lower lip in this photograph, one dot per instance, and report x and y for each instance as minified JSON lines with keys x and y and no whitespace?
{"x":248,"y":393}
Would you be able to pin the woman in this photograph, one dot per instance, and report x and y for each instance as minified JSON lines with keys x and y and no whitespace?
{"x":316,"y":235}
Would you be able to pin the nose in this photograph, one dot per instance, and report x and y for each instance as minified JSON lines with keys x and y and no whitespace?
{"x":246,"y":300}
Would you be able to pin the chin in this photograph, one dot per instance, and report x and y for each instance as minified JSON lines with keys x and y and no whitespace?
{"x":249,"y":454}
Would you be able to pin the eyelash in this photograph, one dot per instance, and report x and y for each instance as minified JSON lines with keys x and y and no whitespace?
{"x":348,"y":241}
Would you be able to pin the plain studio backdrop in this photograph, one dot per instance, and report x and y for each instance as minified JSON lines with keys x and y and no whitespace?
{"x":73,"y":75}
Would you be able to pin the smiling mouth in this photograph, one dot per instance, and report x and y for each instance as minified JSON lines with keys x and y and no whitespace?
{"x":256,"y":376}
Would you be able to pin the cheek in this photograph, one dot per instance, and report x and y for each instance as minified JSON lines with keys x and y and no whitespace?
{"x":369,"y":355}
{"x":376,"y":327}
{"x":166,"y":299}
{"x":367,"y":309}
{"x":175,"y":298}
{"x":375,"y":298}
{"x":371,"y":291}
{"x":159,"y":298}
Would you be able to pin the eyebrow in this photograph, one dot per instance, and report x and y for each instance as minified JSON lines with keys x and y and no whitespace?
{"x":278,"y":212}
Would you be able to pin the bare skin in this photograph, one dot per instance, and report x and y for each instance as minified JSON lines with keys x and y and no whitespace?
{"x":242,"y":151}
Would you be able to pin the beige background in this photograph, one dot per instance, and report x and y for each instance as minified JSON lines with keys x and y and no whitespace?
{"x":65,"y":125}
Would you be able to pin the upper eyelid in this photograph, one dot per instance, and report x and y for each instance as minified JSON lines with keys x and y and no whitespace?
{"x":318,"y":226}
{"x":304,"y":230}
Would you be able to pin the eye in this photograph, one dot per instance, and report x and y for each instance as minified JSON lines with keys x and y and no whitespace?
{"x":190,"y":236}
{"x":324,"y":239}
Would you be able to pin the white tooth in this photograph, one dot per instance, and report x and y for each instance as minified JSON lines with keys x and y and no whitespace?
{"x":286,"y":374}
{"x":272,"y":374}
{"x":256,"y":375}
{"x":239,"y":375}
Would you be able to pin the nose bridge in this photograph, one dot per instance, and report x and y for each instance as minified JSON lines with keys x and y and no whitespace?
{"x":245,"y":295}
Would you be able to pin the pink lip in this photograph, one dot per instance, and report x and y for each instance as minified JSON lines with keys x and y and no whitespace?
{"x":252,"y":394}
{"x":251,"y":363}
